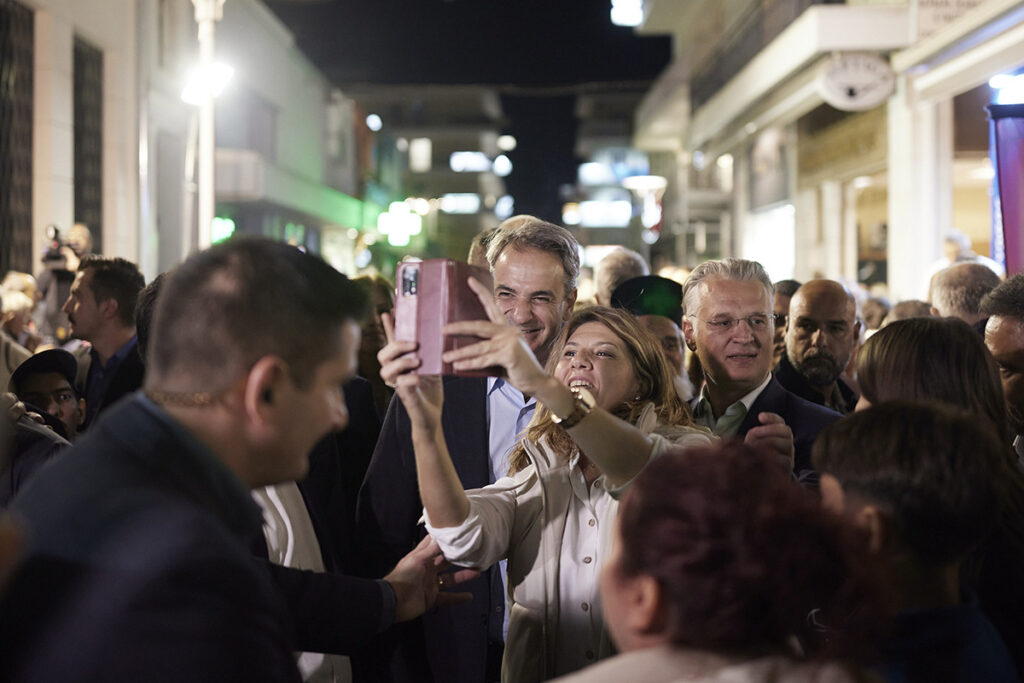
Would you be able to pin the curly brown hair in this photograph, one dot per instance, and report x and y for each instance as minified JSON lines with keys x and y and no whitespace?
{"x":746,"y":558}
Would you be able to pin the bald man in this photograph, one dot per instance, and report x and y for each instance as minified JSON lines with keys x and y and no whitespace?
{"x":821,"y":336}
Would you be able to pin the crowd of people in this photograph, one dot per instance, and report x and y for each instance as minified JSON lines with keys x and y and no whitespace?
{"x":237,"y":472}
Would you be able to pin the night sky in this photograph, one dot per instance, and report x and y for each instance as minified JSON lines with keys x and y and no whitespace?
{"x":537,"y":52}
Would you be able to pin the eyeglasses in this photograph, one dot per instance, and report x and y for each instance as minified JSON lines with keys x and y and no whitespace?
{"x":757,"y":322}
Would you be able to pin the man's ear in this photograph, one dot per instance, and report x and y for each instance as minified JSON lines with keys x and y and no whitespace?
{"x":878,"y":526}
{"x":81,"y":412}
{"x":570,"y":303}
{"x":648,"y":614}
{"x":262,"y":392}
{"x":108,"y":308}
{"x":688,"y":334}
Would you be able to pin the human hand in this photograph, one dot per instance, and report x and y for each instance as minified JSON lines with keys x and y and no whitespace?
{"x":421,"y":395}
{"x":501,"y":345}
{"x":10,"y":405}
{"x":417,"y":581}
{"x":774,"y":436}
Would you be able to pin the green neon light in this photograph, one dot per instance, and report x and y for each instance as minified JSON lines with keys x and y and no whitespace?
{"x":221,"y":229}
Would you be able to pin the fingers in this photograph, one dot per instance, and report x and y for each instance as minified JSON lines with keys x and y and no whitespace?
{"x":393,"y":369}
{"x":394,"y":349}
{"x":486,"y":297}
{"x":388,"y":321}
{"x":464,"y":575}
{"x":773,"y":435}
{"x":428,"y":546}
{"x":476,"y":328}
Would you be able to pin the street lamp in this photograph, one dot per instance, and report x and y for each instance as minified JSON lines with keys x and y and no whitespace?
{"x":208,"y":13}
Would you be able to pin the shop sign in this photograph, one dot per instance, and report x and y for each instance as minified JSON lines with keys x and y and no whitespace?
{"x":934,"y":14}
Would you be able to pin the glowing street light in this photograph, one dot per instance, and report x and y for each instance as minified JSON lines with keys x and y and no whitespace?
{"x":207,"y":14}
{"x":202,"y":81}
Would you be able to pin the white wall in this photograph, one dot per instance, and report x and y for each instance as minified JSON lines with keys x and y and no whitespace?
{"x":266,"y":61}
{"x":110,"y":26}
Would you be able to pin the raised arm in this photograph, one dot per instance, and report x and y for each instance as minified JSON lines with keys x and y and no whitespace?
{"x":618,"y":448}
{"x":440,"y":488}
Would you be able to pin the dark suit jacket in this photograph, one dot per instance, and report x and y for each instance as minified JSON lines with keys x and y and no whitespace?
{"x":805,"y":418}
{"x":32,"y":447}
{"x":127,"y":379}
{"x":791,"y":380}
{"x":139,"y":569}
{"x":449,"y":645}
{"x":337,"y":467}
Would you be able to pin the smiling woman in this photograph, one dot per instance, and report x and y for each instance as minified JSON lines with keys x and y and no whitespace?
{"x":606,"y":405}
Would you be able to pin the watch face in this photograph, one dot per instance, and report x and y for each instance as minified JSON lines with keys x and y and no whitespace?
{"x":855,"y":81}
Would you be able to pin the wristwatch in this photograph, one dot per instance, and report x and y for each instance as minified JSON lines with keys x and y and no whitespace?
{"x":584,"y":404}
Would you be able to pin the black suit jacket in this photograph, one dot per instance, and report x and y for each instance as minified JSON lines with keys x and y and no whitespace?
{"x":127,"y":379}
{"x":805,"y":418}
{"x":139,"y":569}
{"x":791,"y":380}
{"x":453,"y":644}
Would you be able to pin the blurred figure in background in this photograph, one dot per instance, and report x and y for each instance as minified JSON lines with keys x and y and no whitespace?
{"x":61,"y":261}
{"x":957,"y":291}
{"x":478,"y":248}
{"x":657,"y":303}
{"x":956,"y":248}
{"x":16,"y":281}
{"x":17,"y":318}
{"x":28,"y":441}
{"x":382,"y":300}
{"x":12,"y":354}
{"x":616,"y":267}
{"x":907,"y":309}
{"x":718,"y":560}
{"x":873,"y":312}
{"x":921,"y":481}
{"x":784,"y":291}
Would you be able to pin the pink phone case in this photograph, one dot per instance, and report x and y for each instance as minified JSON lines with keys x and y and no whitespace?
{"x":431,"y":294}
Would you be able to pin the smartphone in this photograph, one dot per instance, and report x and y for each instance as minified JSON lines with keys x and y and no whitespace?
{"x":430,"y":294}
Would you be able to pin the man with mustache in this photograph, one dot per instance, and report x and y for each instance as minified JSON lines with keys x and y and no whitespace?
{"x":821,"y":336}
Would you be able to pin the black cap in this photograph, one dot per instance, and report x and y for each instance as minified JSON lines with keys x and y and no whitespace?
{"x":52,"y":360}
{"x":651,"y":295}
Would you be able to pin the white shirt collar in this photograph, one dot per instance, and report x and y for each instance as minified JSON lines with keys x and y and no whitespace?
{"x":747,"y":400}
